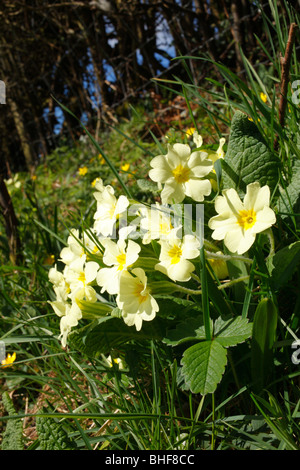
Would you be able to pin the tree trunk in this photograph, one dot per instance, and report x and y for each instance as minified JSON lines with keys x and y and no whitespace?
{"x":24,"y":140}
{"x":237,"y":32}
{"x":11,"y":224}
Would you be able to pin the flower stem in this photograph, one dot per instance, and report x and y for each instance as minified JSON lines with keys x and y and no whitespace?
{"x":234,"y":281}
{"x":270,"y":236}
{"x":228,"y":257}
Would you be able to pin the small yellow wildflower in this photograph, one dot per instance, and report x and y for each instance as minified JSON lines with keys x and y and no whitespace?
{"x":101,"y":159}
{"x":116,"y":361}
{"x":83,"y":171}
{"x":250,"y":119}
{"x":9,"y":360}
{"x":125,"y":167}
{"x":95,"y":181}
{"x":190,"y":131}
{"x":263,"y":97}
{"x":49,"y":260}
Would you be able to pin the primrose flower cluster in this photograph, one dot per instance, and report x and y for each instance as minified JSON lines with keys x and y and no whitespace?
{"x":131,"y":247}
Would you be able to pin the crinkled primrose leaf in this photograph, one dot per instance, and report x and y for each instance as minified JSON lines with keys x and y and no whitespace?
{"x":248,"y":157}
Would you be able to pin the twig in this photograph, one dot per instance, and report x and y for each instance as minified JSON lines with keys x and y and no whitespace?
{"x":285,"y":68}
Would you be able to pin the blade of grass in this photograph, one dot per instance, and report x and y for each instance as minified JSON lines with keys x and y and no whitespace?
{"x":99,"y":149}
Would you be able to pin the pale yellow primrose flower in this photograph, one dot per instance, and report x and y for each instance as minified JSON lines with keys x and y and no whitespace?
{"x":181,"y":171}
{"x":109,"y":209}
{"x":219,"y":153}
{"x":116,"y":360}
{"x":120,"y":257}
{"x":77,"y":247}
{"x":156,"y":222}
{"x":69,"y":315}
{"x":135,"y":299}
{"x":174,"y":256}
{"x":237,"y":222}
{"x":60,"y":286}
{"x":70,"y":319}
{"x":79,"y":277}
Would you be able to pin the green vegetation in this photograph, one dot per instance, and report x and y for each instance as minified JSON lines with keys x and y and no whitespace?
{"x":217,"y":367}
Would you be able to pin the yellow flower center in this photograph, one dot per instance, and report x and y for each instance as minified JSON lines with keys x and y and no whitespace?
{"x":181,"y":174}
{"x":247,"y":218}
{"x":165,"y":228}
{"x":81,"y":278}
{"x":138,"y":292}
{"x":121,"y":260}
{"x":111,"y":211}
{"x":175,"y":254}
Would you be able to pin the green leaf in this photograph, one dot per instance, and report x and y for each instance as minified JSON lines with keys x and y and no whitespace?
{"x":277,"y":420}
{"x":112,"y":332}
{"x":248,"y":157}
{"x":232,"y":331}
{"x":283,"y":264}
{"x":12,"y":437}
{"x":189,"y":330}
{"x":94,"y":309}
{"x":263,"y":337}
{"x":203,"y":365}
{"x":148,"y":186}
{"x":289,"y":201}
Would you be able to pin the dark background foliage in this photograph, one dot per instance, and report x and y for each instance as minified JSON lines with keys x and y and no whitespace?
{"x":96,"y":56}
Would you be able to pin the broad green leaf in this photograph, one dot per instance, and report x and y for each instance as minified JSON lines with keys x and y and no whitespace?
{"x":263,"y":337}
{"x":112,"y":332}
{"x":203,"y":365}
{"x":175,"y":307}
{"x":189,"y":330}
{"x":148,"y":186}
{"x":248,"y":157}
{"x":289,"y":200}
{"x":283,"y":264}
{"x":232,"y":331}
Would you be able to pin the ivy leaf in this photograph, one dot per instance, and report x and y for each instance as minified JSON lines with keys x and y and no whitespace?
{"x":203,"y":366}
{"x":248,"y":157}
{"x":232,"y":331}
